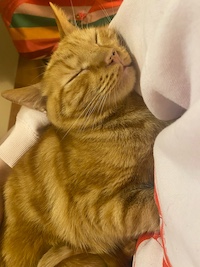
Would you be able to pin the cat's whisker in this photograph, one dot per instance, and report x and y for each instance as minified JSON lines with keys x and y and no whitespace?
{"x":107,"y":17}
{"x":115,"y":98}
{"x":39,"y":67}
{"x":73,"y":12}
{"x":98,"y":102}
{"x":99,"y":110}
{"x":82,"y":114}
{"x":37,"y":78}
{"x":89,"y":110}
{"x":90,"y":107}
{"x":73,"y":124}
{"x":109,"y":98}
{"x":101,"y":102}
{"x":99,"y":105}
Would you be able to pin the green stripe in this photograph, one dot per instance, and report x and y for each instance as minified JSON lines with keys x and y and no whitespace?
{"x":29,"y":21}
{"x":101,"y":22}
{"x":24,"y":20}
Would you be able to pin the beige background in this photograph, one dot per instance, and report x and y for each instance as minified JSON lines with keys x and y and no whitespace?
{"x":8,"y":66}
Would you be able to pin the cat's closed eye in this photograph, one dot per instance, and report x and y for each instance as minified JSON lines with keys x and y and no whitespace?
{"x":96,"y":38}
{"x":74,"y":76}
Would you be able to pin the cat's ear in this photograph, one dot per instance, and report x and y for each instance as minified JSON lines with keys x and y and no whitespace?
{"x":64,"y":26}
{"x":29,"y":96}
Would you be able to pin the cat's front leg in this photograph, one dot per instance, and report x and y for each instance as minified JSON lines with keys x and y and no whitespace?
{"x":141,"y":213}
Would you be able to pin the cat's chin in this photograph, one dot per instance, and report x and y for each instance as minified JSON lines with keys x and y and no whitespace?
{"x":127,"y":83}
{"x":128,"y":70}
{"x":128,"y":75}
{"x":124,"y":79}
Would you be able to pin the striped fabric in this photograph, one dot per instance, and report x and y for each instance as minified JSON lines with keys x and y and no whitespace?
{"x":32,"y":26}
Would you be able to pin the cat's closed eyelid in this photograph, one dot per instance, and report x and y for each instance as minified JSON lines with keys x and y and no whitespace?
{"x":76,"y":74}
{"x":73,"y":76}
{"x":96,"y":38}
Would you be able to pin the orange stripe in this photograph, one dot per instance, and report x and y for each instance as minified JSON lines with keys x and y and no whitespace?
{"x":34,"y":33}
{"x":35,"y":45}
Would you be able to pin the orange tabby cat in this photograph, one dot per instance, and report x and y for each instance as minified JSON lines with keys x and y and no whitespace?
{"x":85,"y":190}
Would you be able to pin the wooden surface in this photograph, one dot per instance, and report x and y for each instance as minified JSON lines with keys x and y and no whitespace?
{"x":28,"y":72}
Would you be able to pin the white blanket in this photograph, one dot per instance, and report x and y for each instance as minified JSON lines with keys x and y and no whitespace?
{"x":164,"y":36}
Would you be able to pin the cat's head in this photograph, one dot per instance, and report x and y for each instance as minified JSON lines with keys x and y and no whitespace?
{"x":88,"y":75}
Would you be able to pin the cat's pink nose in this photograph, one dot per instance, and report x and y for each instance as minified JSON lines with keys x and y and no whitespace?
{"x":113,"y":57}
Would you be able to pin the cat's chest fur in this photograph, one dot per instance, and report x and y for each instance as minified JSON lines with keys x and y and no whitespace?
{"x":101,"y":154}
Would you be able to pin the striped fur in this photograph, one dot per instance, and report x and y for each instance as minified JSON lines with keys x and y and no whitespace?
{"x":87,"y":185}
